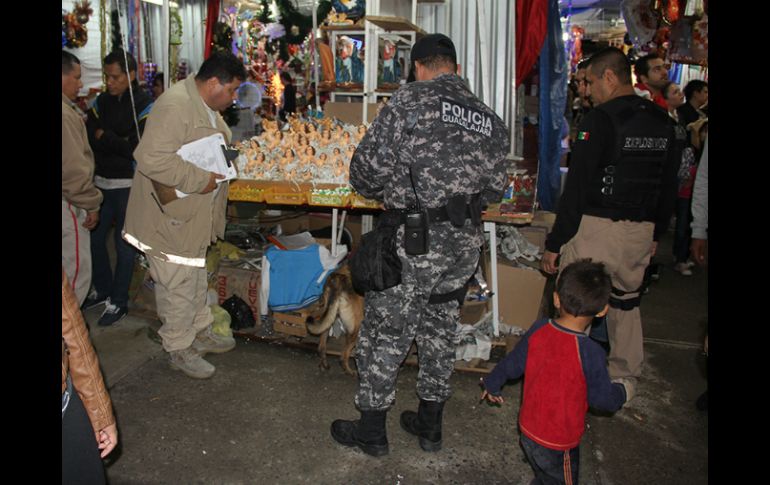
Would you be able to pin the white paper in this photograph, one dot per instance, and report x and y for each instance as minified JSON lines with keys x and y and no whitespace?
{"x":206,"y":153}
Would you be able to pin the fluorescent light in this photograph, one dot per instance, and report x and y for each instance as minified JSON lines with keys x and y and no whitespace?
{"x":160,"y":2}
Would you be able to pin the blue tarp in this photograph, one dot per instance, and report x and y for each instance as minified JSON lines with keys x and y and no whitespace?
{"x":553,"y":100}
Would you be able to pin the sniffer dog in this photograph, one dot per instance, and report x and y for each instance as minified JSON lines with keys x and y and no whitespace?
{"x":339,"y":299}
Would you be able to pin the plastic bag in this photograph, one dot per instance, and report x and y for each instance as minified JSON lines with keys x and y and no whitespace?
{"x":222,"y":320}
{"x":240,"y":313}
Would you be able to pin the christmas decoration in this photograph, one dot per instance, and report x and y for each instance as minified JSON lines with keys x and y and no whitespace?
{"x":74,"y":31}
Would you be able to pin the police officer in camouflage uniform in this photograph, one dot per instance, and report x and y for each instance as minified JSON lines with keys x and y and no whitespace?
{"x":618,"y":200}
{"x":455,"y":148}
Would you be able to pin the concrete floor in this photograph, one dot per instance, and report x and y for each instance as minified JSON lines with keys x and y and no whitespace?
{"x":265,"y":415}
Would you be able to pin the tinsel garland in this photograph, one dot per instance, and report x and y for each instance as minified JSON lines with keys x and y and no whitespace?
{"x":103,"y":37}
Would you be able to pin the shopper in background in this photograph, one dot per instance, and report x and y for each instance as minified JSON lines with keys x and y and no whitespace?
{"x":174,"y":232}
{"x":697,"y":94}
{"x":687,"y":166}
{"x":288,"y":97}
{"x":651,"y":75}
{"x":617,"y":200}
{"x":88,"y":424}
{"x":158,"y":85}
{"x":114,"y":125}
{"x":80,"y":199}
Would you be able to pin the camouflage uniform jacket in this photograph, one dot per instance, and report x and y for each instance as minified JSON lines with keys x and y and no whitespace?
{"x":454,"y":143}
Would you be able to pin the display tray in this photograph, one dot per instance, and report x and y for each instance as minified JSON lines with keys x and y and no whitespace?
{"x":350,"y":87}
{"x":291,"y":193}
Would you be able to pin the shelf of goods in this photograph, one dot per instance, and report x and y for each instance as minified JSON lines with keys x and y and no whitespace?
{"x":298,"y":193}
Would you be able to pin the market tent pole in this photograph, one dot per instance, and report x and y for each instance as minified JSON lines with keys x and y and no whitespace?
{"x":164,"y":34}
{"x":481,"y":17}
{"x":513,"y":79}
{"x":315,"y":56}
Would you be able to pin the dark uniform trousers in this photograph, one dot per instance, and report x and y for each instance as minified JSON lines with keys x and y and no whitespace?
{"x":397,"y":316}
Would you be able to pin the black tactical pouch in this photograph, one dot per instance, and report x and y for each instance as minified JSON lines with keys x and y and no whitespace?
{"x":474,"y":206}
{"x":456,"y":209}
{"x":416,"y":233}
{"x":375,"y":265}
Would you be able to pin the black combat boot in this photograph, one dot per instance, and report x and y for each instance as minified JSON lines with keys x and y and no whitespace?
{"x":425,"y":423}
{"x":368,"y":433}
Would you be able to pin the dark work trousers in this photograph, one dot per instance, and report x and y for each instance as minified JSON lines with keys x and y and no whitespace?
{"x":80,"y":460}
{"x":116,"y":288}
{"x":682,"y":230}
{"x":552,"y":467}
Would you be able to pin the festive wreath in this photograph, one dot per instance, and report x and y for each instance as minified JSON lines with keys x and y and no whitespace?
{"x":73,"y":25}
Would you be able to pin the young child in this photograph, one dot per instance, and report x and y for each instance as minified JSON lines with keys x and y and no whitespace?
{"x":565,"y":372}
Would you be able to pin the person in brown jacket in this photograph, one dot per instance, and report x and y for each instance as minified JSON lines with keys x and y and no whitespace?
{"x":88,"y":424}
{"x":175,"y":232}
{"x":80,"y":199}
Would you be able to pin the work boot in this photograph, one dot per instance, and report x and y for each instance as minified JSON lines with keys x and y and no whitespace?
{"x":191,"y":363}
{"x":425,"y":423}
{"x":207,"y":342}
{"x":368,"y":433}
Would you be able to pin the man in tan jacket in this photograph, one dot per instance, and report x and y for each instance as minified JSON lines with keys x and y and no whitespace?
{"x":175,"y":232}
{"x":80,"y":199}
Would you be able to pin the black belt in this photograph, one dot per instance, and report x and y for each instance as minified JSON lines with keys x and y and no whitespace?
{"x":618,"y":214}
{"x":438,"y":214}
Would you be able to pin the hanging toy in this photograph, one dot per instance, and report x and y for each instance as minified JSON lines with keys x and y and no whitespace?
{"x":671,"y":12}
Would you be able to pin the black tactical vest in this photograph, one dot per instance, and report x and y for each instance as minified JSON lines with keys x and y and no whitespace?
{"x":629,"y":184}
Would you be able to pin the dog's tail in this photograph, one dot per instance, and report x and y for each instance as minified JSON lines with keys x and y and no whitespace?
{"x":332,"y":305}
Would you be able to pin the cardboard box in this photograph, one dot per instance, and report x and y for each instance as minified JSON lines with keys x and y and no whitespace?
{"x":472,"y":311}
{"x":510,"y":342}
{"x":232,"y":280}
{"x":535,"y":235}
{"x":520,"y":293}
{"x":544,"y":219}
{"x":350,"y":113}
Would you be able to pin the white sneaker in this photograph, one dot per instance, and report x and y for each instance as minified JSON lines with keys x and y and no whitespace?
{"x":683,"y":269}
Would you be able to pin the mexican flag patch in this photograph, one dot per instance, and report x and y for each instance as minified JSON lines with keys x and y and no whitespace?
{"x":583,"y":135}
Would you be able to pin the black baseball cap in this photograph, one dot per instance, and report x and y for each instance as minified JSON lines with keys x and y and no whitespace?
{"x":434,"y":45}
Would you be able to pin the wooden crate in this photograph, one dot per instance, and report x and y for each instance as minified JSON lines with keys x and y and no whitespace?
{"x":291,"y":323}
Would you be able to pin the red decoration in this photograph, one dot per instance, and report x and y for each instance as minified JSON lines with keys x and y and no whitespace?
{"x":211,"y":16}
{"x":671,"y":12}
{"x":531,"y":29}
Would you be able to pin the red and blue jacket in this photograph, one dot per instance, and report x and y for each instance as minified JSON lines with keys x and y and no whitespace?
{"x":564,"y":373}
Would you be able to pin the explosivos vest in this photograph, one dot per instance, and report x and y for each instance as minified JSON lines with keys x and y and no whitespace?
{"x":629,"y":185}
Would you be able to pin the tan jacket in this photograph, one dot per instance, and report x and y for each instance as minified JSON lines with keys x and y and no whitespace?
{"x":77,"y":161}
{"x":178,"y":231}
{"x":78,"y":357}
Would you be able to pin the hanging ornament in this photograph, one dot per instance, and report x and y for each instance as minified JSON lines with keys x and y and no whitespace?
{"x":74,"y":31}
{"x":671,"y":12}
{"x":694,"y":8}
